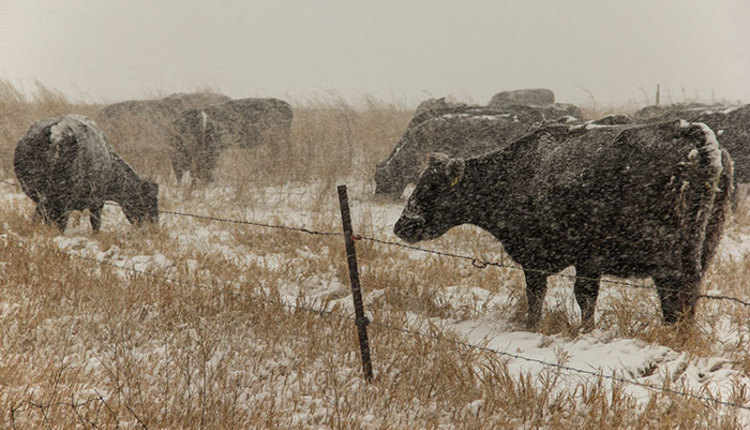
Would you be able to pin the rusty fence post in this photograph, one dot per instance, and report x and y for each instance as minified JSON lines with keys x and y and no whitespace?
{"x":359,"y":312}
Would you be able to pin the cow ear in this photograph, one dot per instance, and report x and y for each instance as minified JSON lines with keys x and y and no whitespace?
{"x":456,"y":168}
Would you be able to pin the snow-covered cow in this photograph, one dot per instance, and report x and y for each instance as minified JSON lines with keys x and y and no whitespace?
{"x":526,"y":96}
{"x":200,"y":135}
{"x":65,"y":163}
{"x":627,"y":201}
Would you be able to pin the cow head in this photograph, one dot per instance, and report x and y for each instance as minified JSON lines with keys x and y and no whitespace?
{"x":143,"y":206}
{"x":432,"y":210}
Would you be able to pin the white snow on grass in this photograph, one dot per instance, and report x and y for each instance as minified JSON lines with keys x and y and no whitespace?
{"x":581,"y":358}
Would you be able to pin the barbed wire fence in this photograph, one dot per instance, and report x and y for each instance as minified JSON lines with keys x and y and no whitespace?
{"x":474,"y":261}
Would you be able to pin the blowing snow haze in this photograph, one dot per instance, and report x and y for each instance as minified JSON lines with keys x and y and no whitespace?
{"x":611,"y":52}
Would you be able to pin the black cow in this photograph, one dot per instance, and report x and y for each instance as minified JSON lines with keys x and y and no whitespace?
{"x":526,"y":96}
{"x":65,"y":164}
{"x":202,"y":134}
{"x":628,"y":201}
{"x":731,"y":125}
{"x":540,"y":98}
{"x":732,"y":128}
{"x":459,"y":132}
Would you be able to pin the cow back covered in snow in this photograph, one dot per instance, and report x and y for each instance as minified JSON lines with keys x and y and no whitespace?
{"x":541,"y":98}
{"x":461,"y":131}
{"x":202,"y":134}
{"x":526,"y":96}
{"x":628,"y":201}
{"x":65,"y":163}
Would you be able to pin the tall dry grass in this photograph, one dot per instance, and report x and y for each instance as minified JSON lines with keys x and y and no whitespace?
{"x":83,"y":345}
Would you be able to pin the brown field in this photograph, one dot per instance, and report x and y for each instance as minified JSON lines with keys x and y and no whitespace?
{"x":207,"y":340}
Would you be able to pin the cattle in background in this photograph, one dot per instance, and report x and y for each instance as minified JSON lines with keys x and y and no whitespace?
{"x":138,"y":127}
{"x":732,"y":128}
{"x":527,"y":96}
{"x":731,"y":125}
{"x":437,"y":105}
{"x":165,"y":110}
{"x":661,"y":113}
{"x":200,"y":135}
{"x":627,"y":201}
{"x":613,"y":119}
{"x":199,"y":100}
{"x":540,"y":98}
{"x":459,"y":132}
{"x":65,"y":164}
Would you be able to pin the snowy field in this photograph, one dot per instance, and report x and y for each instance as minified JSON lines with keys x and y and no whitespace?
{"x":473,"y":308}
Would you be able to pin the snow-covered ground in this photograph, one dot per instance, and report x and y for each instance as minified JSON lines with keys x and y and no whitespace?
{"x":638,"y":367}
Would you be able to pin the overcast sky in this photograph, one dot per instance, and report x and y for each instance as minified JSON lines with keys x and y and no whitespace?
{"x":615,"y":51}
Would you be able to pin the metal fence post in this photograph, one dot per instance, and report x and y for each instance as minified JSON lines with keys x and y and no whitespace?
{"x":361,"y":320}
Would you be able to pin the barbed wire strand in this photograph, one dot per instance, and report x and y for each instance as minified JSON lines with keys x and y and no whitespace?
{"x":389,"y":327}
{"x":253,"y":223}
{"x":478,"y":263}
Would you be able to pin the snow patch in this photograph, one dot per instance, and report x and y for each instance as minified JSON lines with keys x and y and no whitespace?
{"x":711,"y":147}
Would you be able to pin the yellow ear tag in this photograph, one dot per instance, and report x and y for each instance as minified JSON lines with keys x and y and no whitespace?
{"x":456,"y":180}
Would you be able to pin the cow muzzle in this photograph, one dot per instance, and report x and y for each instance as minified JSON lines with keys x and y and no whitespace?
{"x":410,"y":228}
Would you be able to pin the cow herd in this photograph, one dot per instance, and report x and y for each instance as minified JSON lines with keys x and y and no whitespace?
{"x":645,"y":195}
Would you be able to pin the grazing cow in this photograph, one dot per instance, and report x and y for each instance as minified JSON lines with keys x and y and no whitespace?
{"x":135,"y":126}
{"x":459,"y":132}
{"x":65,"y":164}
{"x":202,"y":134}
{"x":627,"y":201}
{"x":529,"y":96}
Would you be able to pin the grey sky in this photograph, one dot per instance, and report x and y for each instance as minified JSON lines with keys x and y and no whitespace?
{"x":391,"y":49}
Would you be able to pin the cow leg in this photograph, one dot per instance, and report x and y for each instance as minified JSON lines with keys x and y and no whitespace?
{"x":678,"y":296}
{"x":60,"y":218}
{"x":586,"y":290}
{"x":536,"y":288}
{"x":95,"y":216}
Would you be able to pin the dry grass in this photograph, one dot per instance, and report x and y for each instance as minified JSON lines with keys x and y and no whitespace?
{"x":84,"y":345}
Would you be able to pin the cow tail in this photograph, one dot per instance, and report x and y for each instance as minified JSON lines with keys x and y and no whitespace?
{"x":701,"y":203}
{"x":721,"y":208}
